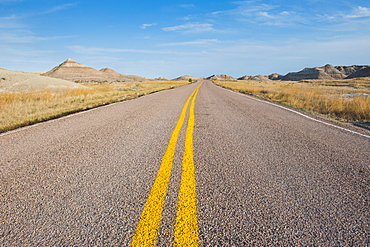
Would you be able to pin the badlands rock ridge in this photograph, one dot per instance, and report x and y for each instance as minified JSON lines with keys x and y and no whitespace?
{"x":64,"y":75}
{"x":76,"y":72}
{"x":327,"y":72}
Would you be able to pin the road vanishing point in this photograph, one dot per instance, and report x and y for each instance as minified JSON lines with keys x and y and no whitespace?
{"x":198,"y":165}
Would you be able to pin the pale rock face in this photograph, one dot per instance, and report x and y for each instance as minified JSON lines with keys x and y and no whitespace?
{"x":220,"y":77}
{"x":259,"y":78}
{"x":71,"y":63}
{"x":348,"y":70}
{"x":161,"y":78}
{"x":360,"y":73}
{"x":14,"y":81}
{"x":186,"y":77}
{"x":108,"y":70}
{"x":244,"y":78}
{"x":255,"y":78}
{"x":72,"y":71}
{"x":333,"y":72}
{"x":327,"y":72}
{"x":275,"y":76}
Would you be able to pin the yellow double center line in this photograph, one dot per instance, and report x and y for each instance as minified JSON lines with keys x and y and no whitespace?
{"x":186,"y":227}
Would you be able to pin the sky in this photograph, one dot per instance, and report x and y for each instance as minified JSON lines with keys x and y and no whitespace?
{"x":174,"y":38}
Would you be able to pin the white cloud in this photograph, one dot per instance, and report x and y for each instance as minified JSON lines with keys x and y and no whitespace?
{"x":144,"y":26}
{"x":266,"y":14}
{"x":325,"y":17}
{"x":10,"y":22}
{"x":100,"y":50}
{"x":359,"y":12}
{"x":186,"y":18}
{"x":187,"y":6}
{"x":59,"y":8}
{"x":245,"y":9}
{"x":282,"y":19}
{"x":25,"y":37}
{"x":191,"y":28}
{"x":263,"y":14}
{"x":196,"y":42}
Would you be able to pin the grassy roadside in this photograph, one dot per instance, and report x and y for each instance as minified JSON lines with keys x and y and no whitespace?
{"x":340,"y":99}
{"x":26,"y":108}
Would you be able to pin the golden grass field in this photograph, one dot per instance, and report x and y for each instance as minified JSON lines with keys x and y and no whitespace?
{"x":335,"y":98}
{"x":25,"y":108}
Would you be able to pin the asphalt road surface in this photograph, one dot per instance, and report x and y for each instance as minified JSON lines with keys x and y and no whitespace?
{"x":253,"y":174}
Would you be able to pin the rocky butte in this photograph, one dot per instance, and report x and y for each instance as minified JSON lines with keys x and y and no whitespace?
{"x":72,"y":71}
{"x":327,"y":72}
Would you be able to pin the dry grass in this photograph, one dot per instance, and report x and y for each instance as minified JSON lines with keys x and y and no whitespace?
{"x":332,"y":98}
{"x":22,"y":109}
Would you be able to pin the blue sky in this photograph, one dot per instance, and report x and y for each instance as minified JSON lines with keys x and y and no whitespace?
{"x":174,"y":38}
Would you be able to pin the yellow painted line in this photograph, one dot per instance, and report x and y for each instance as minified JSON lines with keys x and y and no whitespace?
{"x":146,"y":233}
{"x":186,"y":228}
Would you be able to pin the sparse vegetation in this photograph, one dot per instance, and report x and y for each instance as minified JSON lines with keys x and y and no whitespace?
{"x":347,"y":100}
{"x":22,"y":109}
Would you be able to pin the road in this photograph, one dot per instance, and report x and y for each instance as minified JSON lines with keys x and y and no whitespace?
{"x":209,"y":167}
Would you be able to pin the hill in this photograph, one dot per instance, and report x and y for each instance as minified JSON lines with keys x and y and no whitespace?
{"x":14,"y":81}
{"x":72,"y":71}
{"x":220,"y":77}
{"x":255,"y":78}
{"x":360,"y":73}
{"x":186,"y":78}
{"x":327,"y":72}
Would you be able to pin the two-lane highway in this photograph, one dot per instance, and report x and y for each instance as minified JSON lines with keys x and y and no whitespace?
{"x":267,"y":176}
{"x":242,"y":173}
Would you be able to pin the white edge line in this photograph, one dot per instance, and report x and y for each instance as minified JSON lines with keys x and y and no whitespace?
{"x":296,"y":112}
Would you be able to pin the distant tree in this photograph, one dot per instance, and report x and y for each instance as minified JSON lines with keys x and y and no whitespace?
{"x":190,"y":80}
